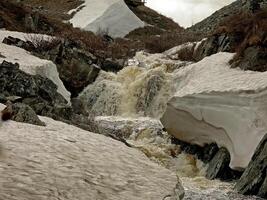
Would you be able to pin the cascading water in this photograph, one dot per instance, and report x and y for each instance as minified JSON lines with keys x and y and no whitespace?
{"x":139,"y":93}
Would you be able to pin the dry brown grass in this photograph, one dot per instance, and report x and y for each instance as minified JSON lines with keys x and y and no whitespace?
{"x":248,"y":29}
{"x":55,"y":8}
{"x":158,"y":44}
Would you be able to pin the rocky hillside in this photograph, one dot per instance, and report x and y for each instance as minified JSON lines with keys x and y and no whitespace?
{"x":211,"y":23}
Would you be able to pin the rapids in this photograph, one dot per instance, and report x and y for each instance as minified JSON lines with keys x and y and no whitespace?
{"x":141,"y":91}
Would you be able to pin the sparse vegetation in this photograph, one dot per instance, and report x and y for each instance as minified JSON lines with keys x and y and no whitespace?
{"x":158,"y":44}
{"x":247,"y":29}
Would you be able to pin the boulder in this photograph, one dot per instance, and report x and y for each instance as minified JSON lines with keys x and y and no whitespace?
{"x":218,"y":167}
{"x":254,"y":179}
{"x":124,"y":128}
{"x":111,"y":65}
{"x":216,"y":104}
{"x":15,"y":82}
{"x":77,"y":67}
{"x":60,"y":161}
{"x":24,"y":113}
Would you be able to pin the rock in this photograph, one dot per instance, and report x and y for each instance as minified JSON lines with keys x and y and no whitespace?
{"x":33,"y":65}
{"x":62,"y":161}
{"x":29,"y":23}
{"x":122,"y":127}
{"x":205,"y":154}
{"x":2,"y":23}
{"x":254,"y":179}
{"x":254,"y":59}
{"x":228,"y":109}
{"x":24,"y":113}
{"x":6,"y":114}
{"x":77,"y":68}
{"x":15,"y":82}
{"x":19,"y":43}
{"x":219,"y":167}
{"x":110,"y":65}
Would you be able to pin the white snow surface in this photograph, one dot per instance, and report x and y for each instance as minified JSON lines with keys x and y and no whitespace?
{"x":46,"y":162}
{"x":31,"y":64}
{"x":214,"y":103}
{"x":213,"y":74}
{"x":107,"y":15}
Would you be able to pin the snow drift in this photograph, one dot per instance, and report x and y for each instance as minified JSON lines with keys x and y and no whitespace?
{"x":60,"y":161}
{"x":112,"y":16}
{"x":214,"y":103}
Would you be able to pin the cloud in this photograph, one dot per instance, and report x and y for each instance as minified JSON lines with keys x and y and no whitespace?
{"x":187,"y":12}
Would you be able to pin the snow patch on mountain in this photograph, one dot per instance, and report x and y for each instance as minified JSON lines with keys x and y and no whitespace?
{"x":112,"y":16}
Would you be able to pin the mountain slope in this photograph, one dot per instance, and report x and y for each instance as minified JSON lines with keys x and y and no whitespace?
{"x":210,"y":23}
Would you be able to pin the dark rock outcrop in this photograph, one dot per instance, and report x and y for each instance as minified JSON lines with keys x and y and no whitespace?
{"x":205,"y":154}
{"x":218,"y":159}
{"x":111,"y":65}
{"x":15,"y":82}
{"x":254,"y":179}
{"x":219,"y":167}
{"x":19,"y":43}
{"x":77,"y":67}
{"x":24,"y":113}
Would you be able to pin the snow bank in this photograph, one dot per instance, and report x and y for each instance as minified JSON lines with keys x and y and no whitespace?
{"x":31,"y":64}
{"x":62,"y":161}
{"x":108,"y":15}
{"x":214,"y":103}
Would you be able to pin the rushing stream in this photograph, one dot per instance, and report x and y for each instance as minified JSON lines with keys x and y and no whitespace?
{"x":133,"y":100}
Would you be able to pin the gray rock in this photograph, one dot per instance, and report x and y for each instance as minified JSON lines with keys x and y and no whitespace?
{"x":111,"y":65}
{"x":19,"y":43}
{"x":15,"y":82}
{"x":77,"y":67}
{"x":219,"y":167}
{"x":24,"y":113}
{"x":254,"y":179}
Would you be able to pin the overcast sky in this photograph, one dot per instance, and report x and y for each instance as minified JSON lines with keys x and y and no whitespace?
{"x":187,"y":12}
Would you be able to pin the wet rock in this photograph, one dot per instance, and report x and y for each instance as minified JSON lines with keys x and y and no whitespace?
{"x":254,"y":179}
{"x":218,"y":167}
{"x":24,"y":113}
{"x":111,"y":65}
{"x":214,"y":44}
{"x":205,"y":154}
